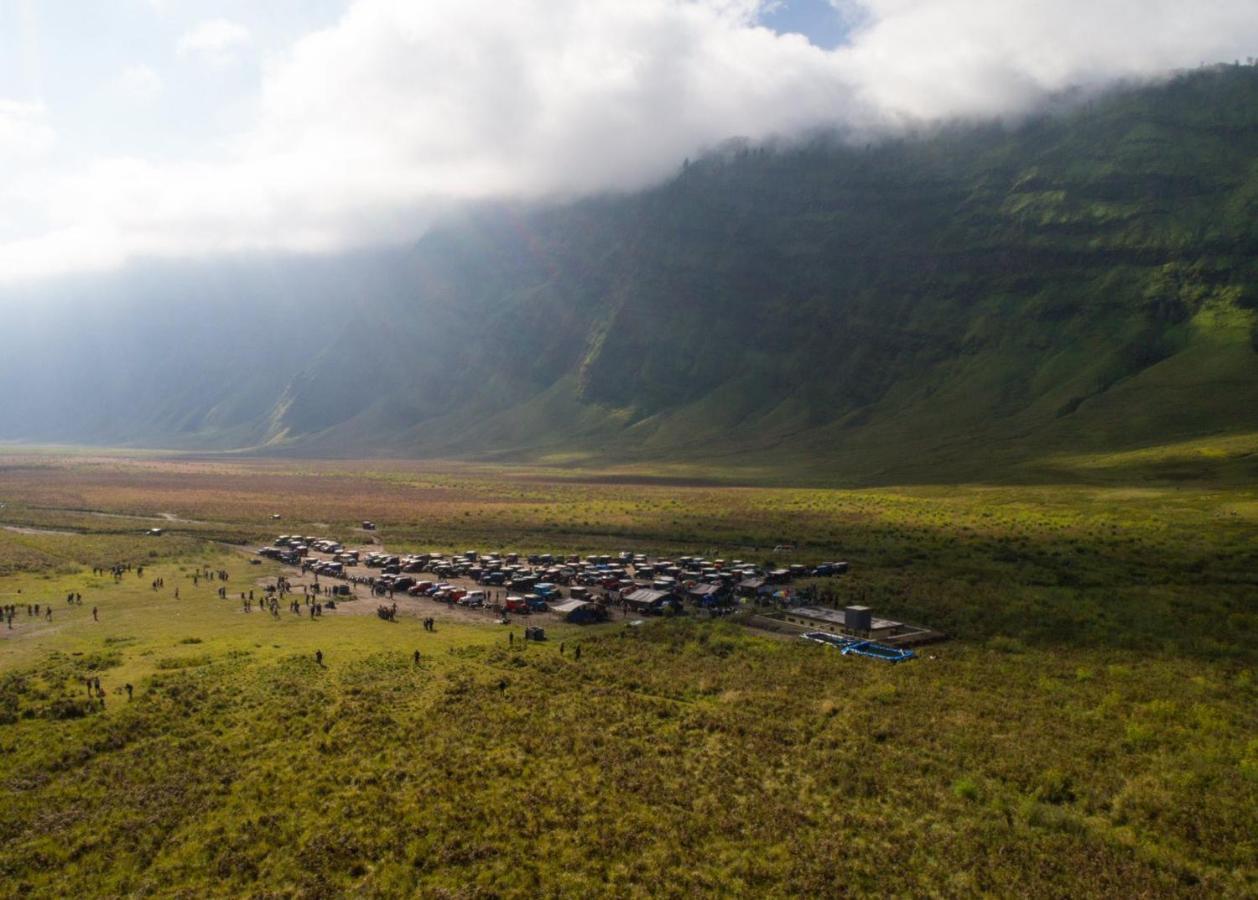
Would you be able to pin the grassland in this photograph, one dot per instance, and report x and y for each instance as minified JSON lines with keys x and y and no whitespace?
{"x":1090,"y":729}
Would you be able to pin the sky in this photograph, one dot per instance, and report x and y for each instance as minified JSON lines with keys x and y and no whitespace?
{"x":170,"y":129}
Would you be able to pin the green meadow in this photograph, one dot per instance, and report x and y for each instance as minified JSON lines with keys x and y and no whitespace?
{"x":1090,"y":728}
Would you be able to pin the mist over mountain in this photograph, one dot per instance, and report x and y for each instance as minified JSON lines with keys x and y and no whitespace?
{"x":977,"y":297}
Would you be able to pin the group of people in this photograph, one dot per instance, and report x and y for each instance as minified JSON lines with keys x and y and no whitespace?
{"x":209,"y":575}
{"x":118,"y":570}
{"x":280,"y":590}
{"x":9,"y":611}
{"x":96,"y":692}
{"x":269,"y":603}
{"x":42,"y":610}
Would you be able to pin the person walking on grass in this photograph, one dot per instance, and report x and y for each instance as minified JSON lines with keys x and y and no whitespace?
{"x":319,"y":657}
{"x":95,"y":618}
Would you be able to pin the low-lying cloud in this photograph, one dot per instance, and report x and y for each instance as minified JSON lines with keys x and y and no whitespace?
{"x":367,"y":128}
{"x":216,"y":40}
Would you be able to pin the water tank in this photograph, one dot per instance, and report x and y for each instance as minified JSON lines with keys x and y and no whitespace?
{"x":858,"y":619}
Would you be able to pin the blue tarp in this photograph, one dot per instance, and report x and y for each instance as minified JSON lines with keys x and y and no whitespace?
{"x":860,"y":647}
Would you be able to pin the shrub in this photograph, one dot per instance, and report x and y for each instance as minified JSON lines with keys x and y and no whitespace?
{"x":965,"y":789}
{"x":1055,"y":787}
{"x":1003,"y":644}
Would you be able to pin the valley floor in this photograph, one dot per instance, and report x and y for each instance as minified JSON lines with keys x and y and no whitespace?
{"x":1090,"y":729}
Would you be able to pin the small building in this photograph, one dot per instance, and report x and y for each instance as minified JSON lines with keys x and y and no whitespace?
{"x":855,"y":620}
{"x":707,"y":594}
{"x":645,"y":600}
{"x":580,"y":612}
{"x":750,"y":587}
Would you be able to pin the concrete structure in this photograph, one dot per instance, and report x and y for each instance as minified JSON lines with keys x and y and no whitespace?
{"x":858,"y":619}
{"x":834,"y":621}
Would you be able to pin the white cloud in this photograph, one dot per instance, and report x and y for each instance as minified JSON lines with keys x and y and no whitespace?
{"x":25,"y":133}
{"x":926,"y":58}
{"x":139,"y":82}
{"x":364,"y":129}
{"x":538,"y":96}
{"x":216,"y":41}
{"x":26,"y":138}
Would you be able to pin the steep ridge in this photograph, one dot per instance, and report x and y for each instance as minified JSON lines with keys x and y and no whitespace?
{"x":981,"y":293}
{"x":953,"y":304}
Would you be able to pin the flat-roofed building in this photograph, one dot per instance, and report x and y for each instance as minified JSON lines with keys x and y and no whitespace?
{"x":835,"y":621}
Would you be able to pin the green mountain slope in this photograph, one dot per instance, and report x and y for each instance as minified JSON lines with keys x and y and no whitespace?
{"x":976,"y":301}
{"x":975,"y":296}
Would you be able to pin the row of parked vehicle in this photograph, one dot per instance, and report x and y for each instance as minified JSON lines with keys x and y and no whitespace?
{"x":304,"y":545}
{"x":541,"y":579}
{"x":444,"y":592}
{"x":329,"y":568}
